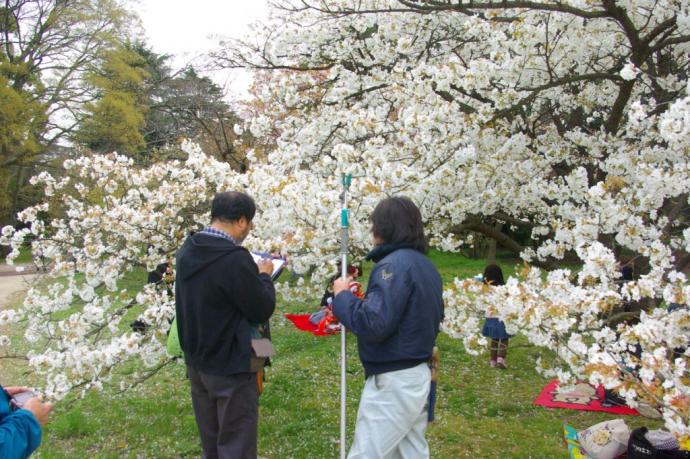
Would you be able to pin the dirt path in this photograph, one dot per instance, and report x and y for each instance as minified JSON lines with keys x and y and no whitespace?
{"x":12,"y":283}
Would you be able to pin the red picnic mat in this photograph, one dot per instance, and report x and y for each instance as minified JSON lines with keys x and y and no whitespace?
{"x":301,"y":321}
{"x":580,"y":397}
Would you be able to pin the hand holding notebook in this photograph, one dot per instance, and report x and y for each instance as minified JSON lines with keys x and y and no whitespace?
{"x":278,"y":263}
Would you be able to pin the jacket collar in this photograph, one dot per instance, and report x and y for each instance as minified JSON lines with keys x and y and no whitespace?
{"x":381,"y":250}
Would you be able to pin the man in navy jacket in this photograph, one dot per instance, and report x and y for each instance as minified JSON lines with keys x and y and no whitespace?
{"x":219,"y":293}
{"x":396,"y":324}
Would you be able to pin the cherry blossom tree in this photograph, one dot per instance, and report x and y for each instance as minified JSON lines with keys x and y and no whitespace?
{"x":568,"y":118}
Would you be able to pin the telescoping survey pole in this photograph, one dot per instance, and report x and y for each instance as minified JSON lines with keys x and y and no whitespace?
{"x":344,"y":225}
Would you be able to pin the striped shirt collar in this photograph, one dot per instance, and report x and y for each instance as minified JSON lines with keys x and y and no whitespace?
{"x":218,"y":233}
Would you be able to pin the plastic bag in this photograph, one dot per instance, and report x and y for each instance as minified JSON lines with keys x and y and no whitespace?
{"x":605,"y":440}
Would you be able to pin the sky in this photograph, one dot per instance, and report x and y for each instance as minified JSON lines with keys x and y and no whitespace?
{"x":187,"y":29}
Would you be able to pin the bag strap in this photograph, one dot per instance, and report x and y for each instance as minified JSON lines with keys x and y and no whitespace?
{"x":639,"y":446}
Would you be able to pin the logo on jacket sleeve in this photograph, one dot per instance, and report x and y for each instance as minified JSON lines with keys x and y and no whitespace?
{"x":385,"y":275}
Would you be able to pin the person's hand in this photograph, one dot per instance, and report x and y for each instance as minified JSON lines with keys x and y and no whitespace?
{"x":341,"y":284}
{"x":278,"y":256}
{"x":39,"y":409}
{"x":14,"y":390}
{"x":265,"y":266}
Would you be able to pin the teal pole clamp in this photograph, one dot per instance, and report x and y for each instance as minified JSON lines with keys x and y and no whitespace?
{"x":347,"y":180}
{"x":345,"y":213}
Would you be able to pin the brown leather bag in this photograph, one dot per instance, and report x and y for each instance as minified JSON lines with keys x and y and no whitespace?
{"x":262,"y":349}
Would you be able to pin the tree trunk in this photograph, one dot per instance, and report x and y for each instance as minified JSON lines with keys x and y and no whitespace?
{"x":14,"y":204}
{"x":491,"y":249}
{"x":491,"y":232}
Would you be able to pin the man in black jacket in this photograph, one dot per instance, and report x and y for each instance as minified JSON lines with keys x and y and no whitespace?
{"x":220,"y":293}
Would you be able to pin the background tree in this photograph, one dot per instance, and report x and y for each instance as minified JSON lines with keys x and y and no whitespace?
{"x":193,"y":106}
{"x":182,"y":105}
{"x":45,"y":48}
{"x":267,"y":101}
{"x":117,"y":117}
{"x":21,"y":122}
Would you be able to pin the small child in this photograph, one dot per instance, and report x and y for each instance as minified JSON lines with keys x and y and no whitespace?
{"x":494,"y":328}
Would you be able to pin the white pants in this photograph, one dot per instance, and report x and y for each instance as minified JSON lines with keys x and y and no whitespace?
{"x":392,"y":416}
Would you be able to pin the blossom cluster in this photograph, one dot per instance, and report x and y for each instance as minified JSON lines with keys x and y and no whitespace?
{"x":106,"y":222}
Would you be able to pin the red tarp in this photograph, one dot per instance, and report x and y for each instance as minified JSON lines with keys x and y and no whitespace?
{"x":301,"y":321}
{"x":581,"y":397}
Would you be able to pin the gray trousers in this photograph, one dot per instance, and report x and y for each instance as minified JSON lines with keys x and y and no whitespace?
{"x":227,"y":412}
{"x":392,"y":416}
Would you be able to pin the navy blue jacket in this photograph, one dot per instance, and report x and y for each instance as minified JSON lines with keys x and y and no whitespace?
{"x":219,"y":292}
{"x":397,"y":321}
{"x":20,"y":433}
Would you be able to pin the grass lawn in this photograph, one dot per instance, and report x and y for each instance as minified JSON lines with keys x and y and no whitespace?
{"x":24,"y":256}
{"x":481,"y":412}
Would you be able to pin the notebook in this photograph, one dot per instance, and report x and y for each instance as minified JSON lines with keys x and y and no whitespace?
{"x":278,"y":263}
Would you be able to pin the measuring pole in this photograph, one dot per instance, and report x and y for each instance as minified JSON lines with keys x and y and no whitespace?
{"x":344,"y":225}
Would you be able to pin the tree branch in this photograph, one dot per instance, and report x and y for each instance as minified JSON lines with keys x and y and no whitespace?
{"x":432,"y":5}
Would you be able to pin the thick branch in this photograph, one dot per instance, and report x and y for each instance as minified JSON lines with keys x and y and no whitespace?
{"x":671,"y":41}
{"x":513,"y":221}
{"x":614,"y":121}
{"x":431,"y":5}
{"x":658,"y":30}
{"x":445,"y":95}
{"x":494,"y":232}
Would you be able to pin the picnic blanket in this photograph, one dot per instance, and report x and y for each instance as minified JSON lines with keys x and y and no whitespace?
{"x":301,"y":322}
{"x":573,"y":444}
{"x":575,"y":450}
{"x":581,"y":397}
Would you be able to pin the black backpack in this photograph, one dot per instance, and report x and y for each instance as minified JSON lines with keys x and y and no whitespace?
{"x":640,"y":448}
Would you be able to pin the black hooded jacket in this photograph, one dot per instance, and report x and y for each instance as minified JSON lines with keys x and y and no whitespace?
{"x":219,"y":292}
